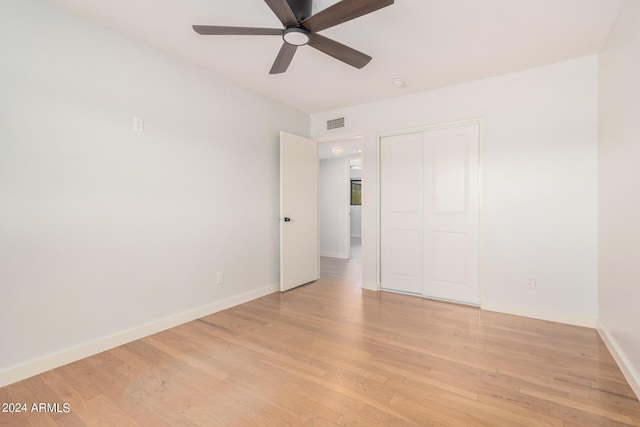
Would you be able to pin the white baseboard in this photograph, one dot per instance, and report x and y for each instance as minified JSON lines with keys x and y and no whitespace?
{"x":551,"y":316}
{"x":631,"y":374}
{"x":340,"y":255}
{"x":46,"y":363}
{"x":370,"y":286}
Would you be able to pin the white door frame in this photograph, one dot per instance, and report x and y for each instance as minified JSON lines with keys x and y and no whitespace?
{"x":442,"y":125}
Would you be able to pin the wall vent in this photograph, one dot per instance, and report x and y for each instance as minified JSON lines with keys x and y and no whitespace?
{"x":335,"y":123}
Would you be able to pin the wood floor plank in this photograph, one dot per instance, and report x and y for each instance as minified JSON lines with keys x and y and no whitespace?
{"x":332,"y":354}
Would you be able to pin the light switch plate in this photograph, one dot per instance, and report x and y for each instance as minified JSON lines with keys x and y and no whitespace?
{"x":138,"y":124}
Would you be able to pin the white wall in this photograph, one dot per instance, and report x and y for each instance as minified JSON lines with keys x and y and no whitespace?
{"x":106,"y":234}
{"x":619,"y":192}
{"x":356,"y":221}
{"x":333,"y":203}
{"x":538,"y":182}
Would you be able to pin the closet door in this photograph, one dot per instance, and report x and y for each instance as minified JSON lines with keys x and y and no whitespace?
{"x":429,"y":213}
{"x":451,"y":214}
{"x":401,"y":216}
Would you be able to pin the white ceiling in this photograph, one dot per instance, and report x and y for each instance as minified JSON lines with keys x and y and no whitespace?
{"x":340,"y":149}
{"x":430,"y":43}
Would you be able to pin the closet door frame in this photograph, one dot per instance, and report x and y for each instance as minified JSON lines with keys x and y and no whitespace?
{"x":436,"y":126}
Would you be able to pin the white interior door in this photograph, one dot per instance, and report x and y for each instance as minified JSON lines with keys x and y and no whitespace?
{"x":299,"y":252}
{"x":451,"y":213}
{"x":401,"y":218}
{"x":429,"y":213}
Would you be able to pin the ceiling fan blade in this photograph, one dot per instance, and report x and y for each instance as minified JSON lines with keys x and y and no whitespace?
{"x":339,"y":51}
{"x":216,"y":30}
{"x":283,"y":11}
{"x":343,"y":11}
{"x":283,"y":59}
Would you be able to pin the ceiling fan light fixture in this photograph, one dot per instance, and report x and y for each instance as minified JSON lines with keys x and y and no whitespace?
{"x":296,"y":36}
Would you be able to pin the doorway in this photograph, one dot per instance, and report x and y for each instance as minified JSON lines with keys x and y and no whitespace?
{"x":355,"y":207}
{"x":340,"y":198}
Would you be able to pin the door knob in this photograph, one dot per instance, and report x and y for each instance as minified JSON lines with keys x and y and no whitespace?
{"x":287,"y":219}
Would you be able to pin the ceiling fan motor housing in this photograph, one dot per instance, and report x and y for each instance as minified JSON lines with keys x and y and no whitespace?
{"x":300,"y":8}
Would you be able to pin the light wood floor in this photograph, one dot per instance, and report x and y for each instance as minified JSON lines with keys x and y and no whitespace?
{"x":330,"y":354}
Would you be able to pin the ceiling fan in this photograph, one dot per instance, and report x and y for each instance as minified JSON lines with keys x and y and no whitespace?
{"x":300,"y":28}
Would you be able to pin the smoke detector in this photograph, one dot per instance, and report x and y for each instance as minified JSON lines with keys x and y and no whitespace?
{"x":398,"y":82}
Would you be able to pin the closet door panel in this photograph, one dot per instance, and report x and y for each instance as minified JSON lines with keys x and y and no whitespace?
{"x":451,"y":213}
{"x":401,"y":213}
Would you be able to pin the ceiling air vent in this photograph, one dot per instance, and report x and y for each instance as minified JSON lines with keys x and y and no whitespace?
{"x":335,"y":123}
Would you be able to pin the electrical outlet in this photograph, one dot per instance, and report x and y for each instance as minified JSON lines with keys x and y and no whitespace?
{"x":531,"y":283}
{"x":220,"y":278}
